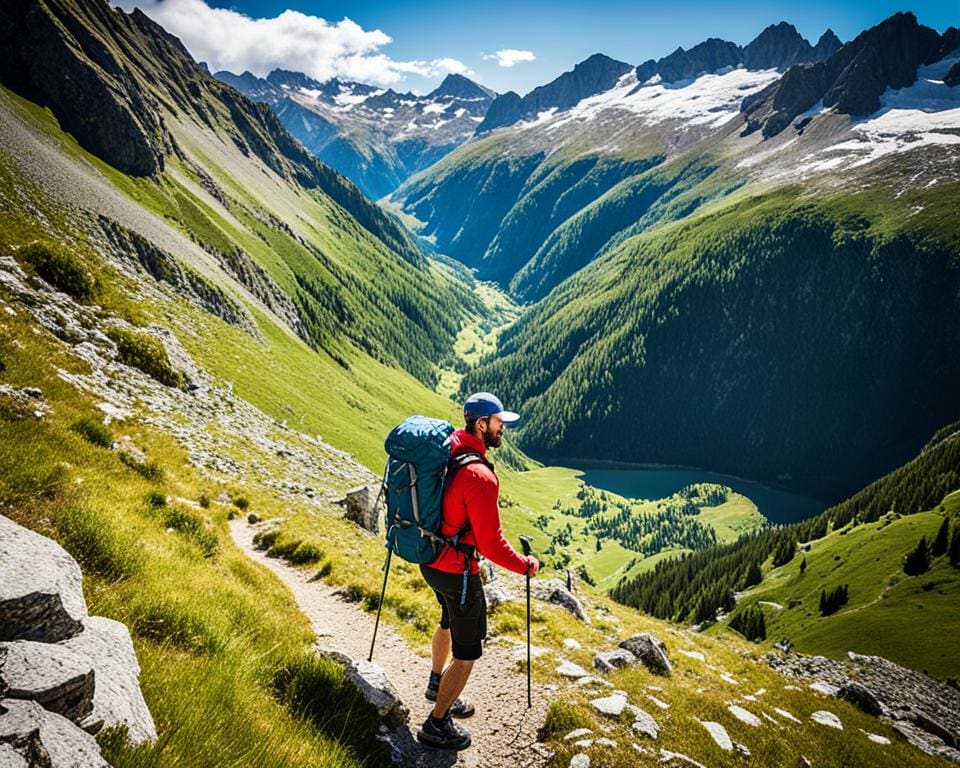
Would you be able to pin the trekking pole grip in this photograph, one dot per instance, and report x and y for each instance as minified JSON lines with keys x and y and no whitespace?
{"x":525,"y":544}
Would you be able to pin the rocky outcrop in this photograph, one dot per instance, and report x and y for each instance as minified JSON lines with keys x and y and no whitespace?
{"x":780,"y":46}
{"x":851,"y":80}
{"x":926,"y":711}
{"x":650,"y":651}
{"x":126,"y":246}
{"x":362,"y":506}
{"x":52,"y":57}
{"x":553,"y":591}
{"x":63,"y":674}
{"x":42,"y":739}
{"x":953,"y":76}
{"x":36,"y":603}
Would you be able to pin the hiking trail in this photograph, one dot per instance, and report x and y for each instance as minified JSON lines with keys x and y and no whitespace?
{"x":503,"y":730}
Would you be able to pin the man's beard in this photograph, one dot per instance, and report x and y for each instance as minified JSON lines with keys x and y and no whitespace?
{"x":491,"y":440}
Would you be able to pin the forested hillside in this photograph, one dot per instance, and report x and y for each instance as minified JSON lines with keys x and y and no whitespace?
{"x":800,"y":340}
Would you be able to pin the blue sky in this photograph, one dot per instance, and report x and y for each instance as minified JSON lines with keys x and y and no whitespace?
{"x":414,"y":43}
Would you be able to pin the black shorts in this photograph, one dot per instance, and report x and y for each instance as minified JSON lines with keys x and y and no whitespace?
{"x":468,"y":622}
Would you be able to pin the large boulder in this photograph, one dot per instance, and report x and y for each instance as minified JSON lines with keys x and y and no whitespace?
{"x":650,"y":650}
{"x":497,"y":594}
{"x":45,"y":739}
{"x":553,"y":591}
{"x":860,"y":696}
{"x":372,"y":683}
{"x":41,"y":592}
{"x":57,"y":678}
{"x":117,"y":698}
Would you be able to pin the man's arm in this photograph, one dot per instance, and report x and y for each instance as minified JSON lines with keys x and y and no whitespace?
{"x":484,"y":517}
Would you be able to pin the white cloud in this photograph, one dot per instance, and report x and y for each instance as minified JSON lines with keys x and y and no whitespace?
{"x":229,"y":40}
{"x":510,"y":56}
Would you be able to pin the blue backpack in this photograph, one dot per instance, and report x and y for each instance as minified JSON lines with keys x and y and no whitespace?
{"x":418,"y":467}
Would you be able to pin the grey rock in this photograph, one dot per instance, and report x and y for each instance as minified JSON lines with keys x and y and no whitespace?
{"x":497,"y":594}
{"x":58,"y":678}
{"x":651,"y":651}
{"x":362,"y":506}
{"x":47,"y":739}
{"x":372,"y":683}
{"x":117,"y":698}
{"x":644,"y":723}
{"x":607,"y":661}
{"x":41,"y":592}
{"x":553,"y":591}
{"x":580,"y":761}
{"x":861,"y":697}
{"x":611,"y":705}
{"x":10,"y":758}
{"x":569,"y":669}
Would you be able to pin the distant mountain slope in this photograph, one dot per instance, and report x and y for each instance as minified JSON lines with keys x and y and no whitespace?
{"x":220,"y":169}
{"x":375,"y":137}
{"x":557,"y":176}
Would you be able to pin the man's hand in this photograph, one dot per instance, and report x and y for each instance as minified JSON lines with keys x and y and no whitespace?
{"x":533,"y":565}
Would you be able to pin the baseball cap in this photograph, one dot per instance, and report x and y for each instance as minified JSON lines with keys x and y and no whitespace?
{"x":485,"y":404}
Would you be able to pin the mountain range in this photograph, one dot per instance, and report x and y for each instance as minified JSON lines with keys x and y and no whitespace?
{"x":376,"y":137}
{"x":682,"y":245}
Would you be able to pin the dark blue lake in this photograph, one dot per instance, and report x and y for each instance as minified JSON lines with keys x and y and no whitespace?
{"x":775,"y":504}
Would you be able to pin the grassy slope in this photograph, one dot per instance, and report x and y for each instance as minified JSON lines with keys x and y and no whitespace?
{"x":208,"y":650}
{"x":885,"y":605}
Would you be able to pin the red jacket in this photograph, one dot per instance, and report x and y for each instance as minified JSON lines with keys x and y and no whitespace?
{"x":472,"y":497}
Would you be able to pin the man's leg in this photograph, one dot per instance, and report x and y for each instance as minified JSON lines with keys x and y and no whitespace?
{"x":441,"y":650}
{"x":451,"y":685}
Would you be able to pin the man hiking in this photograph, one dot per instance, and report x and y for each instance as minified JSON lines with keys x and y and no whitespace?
{"x":471,"y":524}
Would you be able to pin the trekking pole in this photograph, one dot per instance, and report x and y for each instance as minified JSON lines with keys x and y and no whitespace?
{"x":383,"y":591}
{"x":525,"y":543}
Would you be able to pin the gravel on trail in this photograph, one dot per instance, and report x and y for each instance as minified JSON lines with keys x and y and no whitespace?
{"x":504,"y":731}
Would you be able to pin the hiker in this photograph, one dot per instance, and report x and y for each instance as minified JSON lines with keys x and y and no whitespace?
{"x":471,"y":519}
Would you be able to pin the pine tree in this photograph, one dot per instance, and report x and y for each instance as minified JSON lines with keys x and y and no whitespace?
{"x":918,"y":561}
{"x":940,"y":543}
{"x":753,"y":576}
{"x":803,"y":565}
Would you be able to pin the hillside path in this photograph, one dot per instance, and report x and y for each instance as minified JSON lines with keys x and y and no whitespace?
{"x":503,"y":730}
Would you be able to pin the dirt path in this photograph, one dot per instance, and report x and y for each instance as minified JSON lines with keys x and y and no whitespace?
{"x":503,"y":729}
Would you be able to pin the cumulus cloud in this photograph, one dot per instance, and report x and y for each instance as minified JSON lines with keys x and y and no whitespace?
{"x":229,"y":40}
{"x":510,"y":56}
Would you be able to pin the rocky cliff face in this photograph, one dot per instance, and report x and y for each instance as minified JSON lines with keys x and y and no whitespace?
{"x":593,"y":75}
{"x":853,"y":78}
{"x":51,"y":56}
{"x":64,"y":675}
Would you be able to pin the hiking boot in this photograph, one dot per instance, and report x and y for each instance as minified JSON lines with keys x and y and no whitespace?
{"x":443,"y":734}
{"x":460,"y":708}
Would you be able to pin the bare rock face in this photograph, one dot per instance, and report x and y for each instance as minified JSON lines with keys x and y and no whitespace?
{"x":44,"y":739}
{"x":56,"y":677}
{"x":372,"y":683}
{"x":117,"y":699}
{"x":607,"y":661}
{"x":651,"y":651}
{"x":861,"y":697}
{"x":41,"y":592}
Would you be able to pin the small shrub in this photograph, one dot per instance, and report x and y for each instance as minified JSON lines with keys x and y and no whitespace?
{"x":284,"y":549}
{"x":231,"y":515}
{"x":241,"y":503}
{"x":325,"y":570}
{"x":61,"y":269}
{"x":253,"y":518}
{"x":91,"y":429}
{"x":562,"y":717}
{"x":144,"y":352}
{"x":149,"y":470}
{"x":265,"y":539}
{"x":305,"y":554}
{"x":204,"y":500}
{"x":156,"y":499}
